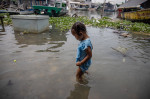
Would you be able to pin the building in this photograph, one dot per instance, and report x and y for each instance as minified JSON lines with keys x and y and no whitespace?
{"x":135,"y":10}
{"x":89,"y":2}
{"x":73,"y":5}
{"x":78,"y":3}
{"x":109,"y":7}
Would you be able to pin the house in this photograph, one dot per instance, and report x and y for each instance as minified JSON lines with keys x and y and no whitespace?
{"x":89,"y":2}
{"x":82,"y":4}
{"x":109,"y":7}
{"x":135,"y":10}
{"x":74,"y":5}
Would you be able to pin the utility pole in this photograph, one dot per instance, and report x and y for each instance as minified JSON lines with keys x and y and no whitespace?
{"x":61,"y":4}
{"x":102,"y":12}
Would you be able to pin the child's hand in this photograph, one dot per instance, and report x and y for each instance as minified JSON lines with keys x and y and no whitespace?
{"x":78,"y":64}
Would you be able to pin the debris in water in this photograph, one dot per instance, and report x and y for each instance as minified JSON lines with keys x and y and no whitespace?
{"x":123,"y":59}
{"x":125,"y":35}
{"x":121,"y":50}
{"x":14,"y":60}
{"x":25,"y":31}
{"x":10,"y":82}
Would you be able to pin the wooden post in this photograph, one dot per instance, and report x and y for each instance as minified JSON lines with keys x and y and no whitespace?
{"x":46,"y":1}
{"x":31,"y":3}
{"x":3,"y":29}
{"x":42,"y":2}
{"x":103,"y":9}
{"x":35,"y":2}
{"x":20,"y":2}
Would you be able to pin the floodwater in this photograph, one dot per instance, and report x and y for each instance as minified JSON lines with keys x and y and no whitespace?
{"x":94,"y":14}
{"x":42,"y":66}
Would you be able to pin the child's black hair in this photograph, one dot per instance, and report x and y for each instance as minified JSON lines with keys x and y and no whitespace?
{"x":78,"y":27}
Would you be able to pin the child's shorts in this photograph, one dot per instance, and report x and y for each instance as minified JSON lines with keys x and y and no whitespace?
{"x":84,"y":68}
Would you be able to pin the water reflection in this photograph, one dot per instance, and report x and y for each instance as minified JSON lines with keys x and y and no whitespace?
{"x":95,"y":14}
{"x":31,"y":39}
{"x":53,"y":38}
{"x":139,"y":47}
{"x":80,"y":92}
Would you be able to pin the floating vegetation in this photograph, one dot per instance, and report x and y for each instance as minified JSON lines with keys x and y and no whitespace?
{"x":7,"y":20}
{"x":65,"y":23}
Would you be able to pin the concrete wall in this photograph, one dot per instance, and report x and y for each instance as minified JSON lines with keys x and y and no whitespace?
{"x":30,"y":23}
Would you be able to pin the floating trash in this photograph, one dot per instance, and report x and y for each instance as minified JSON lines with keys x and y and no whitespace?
{"x":14,"y":60}
{"x":123,"y":59}
{"x":122,"y":50}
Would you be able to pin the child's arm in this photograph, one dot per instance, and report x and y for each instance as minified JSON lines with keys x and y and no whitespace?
{"x":88,"y":56}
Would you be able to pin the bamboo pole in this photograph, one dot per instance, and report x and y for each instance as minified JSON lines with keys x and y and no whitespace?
{"x":3,"y":28}
{"x":46,"y":1}
{"x":102,"y":12}
{"x":31,"y":3}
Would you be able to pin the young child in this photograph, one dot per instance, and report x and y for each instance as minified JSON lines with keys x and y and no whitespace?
{"x":84,"y":51}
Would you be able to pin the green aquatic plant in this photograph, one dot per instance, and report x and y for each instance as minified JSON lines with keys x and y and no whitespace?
{"x":135,"y":26}
{"x":65,"y":23}
{"x":4,"y":14}
{"x":7,"y":20}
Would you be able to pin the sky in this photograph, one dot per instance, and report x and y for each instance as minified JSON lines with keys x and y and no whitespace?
{"x":112,"y":1}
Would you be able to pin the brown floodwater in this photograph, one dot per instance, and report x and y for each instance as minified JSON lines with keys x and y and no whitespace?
{"x":42,"y":66}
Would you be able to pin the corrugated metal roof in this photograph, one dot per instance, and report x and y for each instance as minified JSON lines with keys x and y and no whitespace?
{"x":132,"y":3}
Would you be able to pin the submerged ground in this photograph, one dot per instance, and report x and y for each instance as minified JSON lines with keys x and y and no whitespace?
{"x":42,"y":66}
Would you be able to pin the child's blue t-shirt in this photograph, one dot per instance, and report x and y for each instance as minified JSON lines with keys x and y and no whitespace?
{"x":81,"y":54}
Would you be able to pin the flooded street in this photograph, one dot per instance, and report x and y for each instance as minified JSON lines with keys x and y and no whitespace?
{"x":42,"y":66}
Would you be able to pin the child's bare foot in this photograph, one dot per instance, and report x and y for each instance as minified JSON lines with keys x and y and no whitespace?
{"x":82,"y":81}
{"x":79,"y":79}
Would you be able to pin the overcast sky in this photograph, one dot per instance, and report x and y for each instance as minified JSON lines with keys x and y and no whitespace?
{"x":113,"y":1}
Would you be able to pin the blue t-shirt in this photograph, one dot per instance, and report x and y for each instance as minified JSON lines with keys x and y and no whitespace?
{"x":81,"y":54}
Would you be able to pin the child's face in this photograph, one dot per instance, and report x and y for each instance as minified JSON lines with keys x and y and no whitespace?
{"x":76,"y":36}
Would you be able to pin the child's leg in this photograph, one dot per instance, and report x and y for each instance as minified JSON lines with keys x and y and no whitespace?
{"x":79,"y":74}
{"x":87,"y":72}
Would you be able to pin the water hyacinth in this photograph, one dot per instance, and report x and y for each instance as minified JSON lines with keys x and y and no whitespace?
{"x":7,"y":20}
{"x":65,"y":23}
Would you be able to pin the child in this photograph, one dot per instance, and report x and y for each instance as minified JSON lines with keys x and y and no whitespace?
{"x":84,"y":51}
